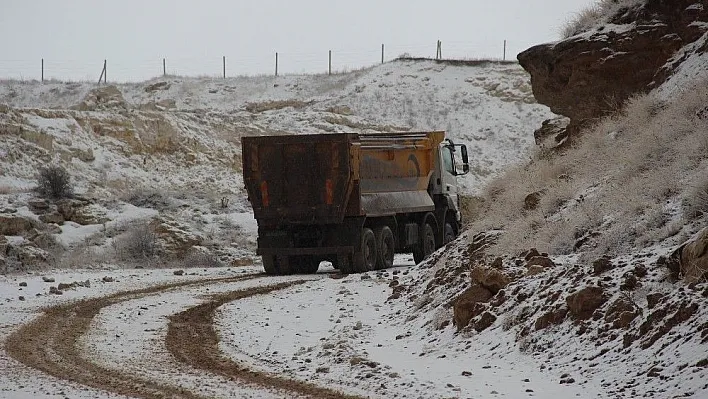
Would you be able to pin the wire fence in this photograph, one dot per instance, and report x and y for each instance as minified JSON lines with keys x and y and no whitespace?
{"x":119,"y":69}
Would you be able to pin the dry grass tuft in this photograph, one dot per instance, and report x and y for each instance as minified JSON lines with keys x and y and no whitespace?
{"x":596,"y":14}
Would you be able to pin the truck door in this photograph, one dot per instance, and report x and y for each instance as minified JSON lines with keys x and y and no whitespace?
{"x":448,"y":175}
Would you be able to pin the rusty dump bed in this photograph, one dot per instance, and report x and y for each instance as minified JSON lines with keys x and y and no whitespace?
{"x":321,"y":178}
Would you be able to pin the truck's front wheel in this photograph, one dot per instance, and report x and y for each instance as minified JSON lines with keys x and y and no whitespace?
{"x":365,"y":257}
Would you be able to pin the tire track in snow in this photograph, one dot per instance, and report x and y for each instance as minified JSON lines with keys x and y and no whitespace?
{"x":49,"y":344}
{"x":192,"y":339}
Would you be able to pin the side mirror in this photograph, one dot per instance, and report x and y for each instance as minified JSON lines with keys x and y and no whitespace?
{"x":465,"y":160}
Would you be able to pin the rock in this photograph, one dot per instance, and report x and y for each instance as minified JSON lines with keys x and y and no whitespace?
{"x":584,"y":302}
{"x":48,"y":279}
{"x":576,"y":76}
{"x":176,"y":237}
{"x":15,"y":225}
{"x":365,"y":277}
{"x":621,"y":312}
{"x":551,"y":318}
{"x":534,"y":270}
{"x":54,"y":217}
{"x":530,"y":254}
{"x":322,"y":369}
{"x":485,"y":321}
{"x":465,"y":308}
{"x":531,"y":200}
{"x":178,"y":272}
{"x":85,"y":155}
{"x":38,"y":205}
{"x":21,"y":298}
{"x":108,"y":279}
{"x":654,"y":299}
{"x":4,"y":108}
{"x":601,"y":265}
{"x":466,"y":373}
{"x":64,"y":286}
{"x":23,"y":284}
{"x":157,"y":86}
{"x":490,"y":278}
{"x":543,"y":261}
{"x":694,"y":257}
{"x":630,"y":282}
{"x":4,"y":244}
{"x":103,"y":97}
{"x":54,"y":290}
{"x":556,"y":128}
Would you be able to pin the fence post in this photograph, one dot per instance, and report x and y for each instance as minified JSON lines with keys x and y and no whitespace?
{"x":276,"y":63}
{"x":224,"y":67}
{"x":105,"y":72}
{"x":42,"y":69}
{"x":164,"y":68}
{"x":504,"y":55}
{"x":438,"y":52}
{"x":330,"y":62}
{"x":382,"y":53}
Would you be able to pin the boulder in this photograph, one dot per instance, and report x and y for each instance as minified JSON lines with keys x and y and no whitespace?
{"x":550,"y":318}
{"x":582,"y":303}
{"x":621,"y":312}
{"x":53,"y":217}
{"x":15,"y":225}
{"x":465,"y":306}
{"x":632,"y":54}
{"x":176,"y":238}
{"x":543,"y":261}
{"x":693,"y":261}
{"x":485,"y":321}
{"x":552,"y":132}
{"x":490,"y":278}
{"x":104,"y":97}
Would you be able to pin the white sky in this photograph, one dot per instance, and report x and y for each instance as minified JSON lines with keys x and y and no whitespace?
{"x":74,"y":36}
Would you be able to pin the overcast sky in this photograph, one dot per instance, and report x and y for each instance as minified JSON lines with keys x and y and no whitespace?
{"x":75,"y":36}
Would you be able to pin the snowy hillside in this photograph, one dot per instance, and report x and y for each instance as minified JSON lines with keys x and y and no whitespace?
{"x":487,"y":105}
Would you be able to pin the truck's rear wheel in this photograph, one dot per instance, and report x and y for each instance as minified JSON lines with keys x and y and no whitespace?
{"x":365,"y":257}
{"x":427,"y":244}
{"x":386,"y":247}
{"x":269,"y":265}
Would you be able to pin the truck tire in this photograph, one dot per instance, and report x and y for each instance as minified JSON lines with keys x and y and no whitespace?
{"x":365,"y":257}
{"x":270,"y":266}
{"x":386,"y":247}
{"x":427,"y":244}
{"x":448,"y":234}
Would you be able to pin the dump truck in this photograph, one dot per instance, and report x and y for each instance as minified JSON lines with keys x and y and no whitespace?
{"x":352,"y":199}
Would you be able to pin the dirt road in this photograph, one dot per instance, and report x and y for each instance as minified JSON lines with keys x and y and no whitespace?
{"x":50,"y":344}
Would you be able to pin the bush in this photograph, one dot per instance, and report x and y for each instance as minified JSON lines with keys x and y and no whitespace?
{"x":54,"y":182}
{"x":139,"y":242}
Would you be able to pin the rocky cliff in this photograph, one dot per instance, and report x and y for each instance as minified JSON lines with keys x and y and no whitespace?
{"x":635,"y":50}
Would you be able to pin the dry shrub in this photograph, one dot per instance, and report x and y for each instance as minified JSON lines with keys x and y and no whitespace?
{"x":138,"y":242}
{"x":695,"y":199}
{"x":54,"y":182}
{"x":596,"y":14}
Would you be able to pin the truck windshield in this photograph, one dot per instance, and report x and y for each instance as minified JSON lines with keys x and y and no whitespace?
{"x":448,"y":162}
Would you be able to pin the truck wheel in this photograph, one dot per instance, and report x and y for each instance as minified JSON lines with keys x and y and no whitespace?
{"x":305,"y":264}
{"x":449,"y":233}
{"x":427,"y":246}
{"x":270,"y":266}
{"x":386,"y":247}
{"x":365,"y":257}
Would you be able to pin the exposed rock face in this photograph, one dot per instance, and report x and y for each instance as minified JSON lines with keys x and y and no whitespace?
{"x":14,"y":225}
{"x":466,"y":306}
{"x":176,"y":237}
{"x":586,"y":75}
{"x":583,"y":303}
